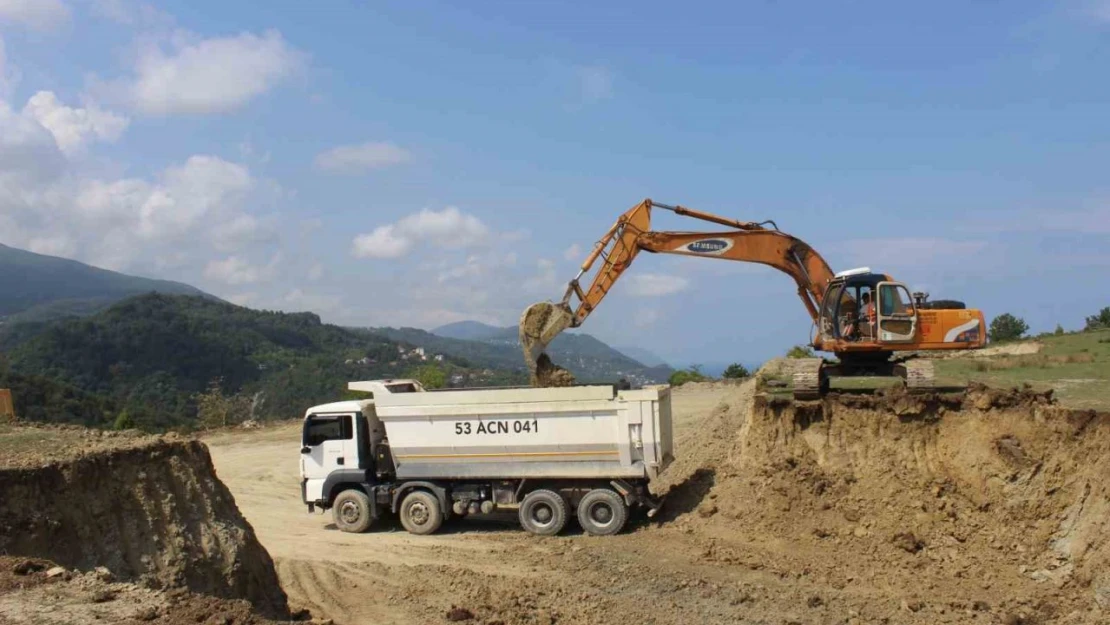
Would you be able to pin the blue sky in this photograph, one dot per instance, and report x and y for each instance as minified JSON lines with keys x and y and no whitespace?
{"x":416,"y":163}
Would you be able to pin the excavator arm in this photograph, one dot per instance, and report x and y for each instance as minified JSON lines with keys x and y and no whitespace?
{"x":631,"y":234}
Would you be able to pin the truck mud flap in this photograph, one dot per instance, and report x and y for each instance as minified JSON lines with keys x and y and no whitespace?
{"x":638,"y":495}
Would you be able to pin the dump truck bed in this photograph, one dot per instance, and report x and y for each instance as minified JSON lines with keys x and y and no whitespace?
{"x":575,"y":432}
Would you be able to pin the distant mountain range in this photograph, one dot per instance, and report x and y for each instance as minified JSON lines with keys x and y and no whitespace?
{"x":589,"y":359}
{"x":149,"y":355}
{"x":36,"y":287}
{"x":647,"y":357}
{"x":469,"y":331}
{"x":88,"y":345}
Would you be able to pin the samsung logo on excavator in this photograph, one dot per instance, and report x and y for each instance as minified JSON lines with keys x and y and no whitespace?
{"x":708,"y":246}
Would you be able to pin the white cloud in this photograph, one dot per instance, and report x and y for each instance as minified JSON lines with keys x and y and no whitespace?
{"x":211,"y":75}
{"x":117,"y":223}
{"x":56,"y":245}
{"x":36,"y":14}
{"x":383,"y":242}
{"x":248,"y":298}
{"x":27,"y":149}
{"x":573,"y":253}
{"x":234,"y":271}
{"x":545,"y":280}
{"x":73,"y":128}
{"x":297,"y":299}
{"x":240,"y":230}
{"x":596,"y":83}
{"x":446,"y":229}
{"x":656,"y":284}
{"x":353,"y":159}
{"x":202,"y":189}
{"x":472,"y":268}
{"x":316,"y":272}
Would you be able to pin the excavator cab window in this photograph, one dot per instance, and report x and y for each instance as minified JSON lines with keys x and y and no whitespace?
{"x":848,"y":312}
{"x":830,"y":328}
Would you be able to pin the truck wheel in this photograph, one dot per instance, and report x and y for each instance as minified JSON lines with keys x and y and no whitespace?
{"x":602,"y":512}
{"x":543,"y":512}
{"x":420,"y":513}
{"x":352,"y":511}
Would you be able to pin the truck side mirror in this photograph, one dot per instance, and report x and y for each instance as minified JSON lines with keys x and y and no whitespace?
{"x":306,"y":450}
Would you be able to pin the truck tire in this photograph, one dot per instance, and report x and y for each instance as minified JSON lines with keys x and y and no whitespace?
{"x":543,"y":512}
{"x":351,"y":510}
{"x":602,"y":512}
{"x":420,"y":513}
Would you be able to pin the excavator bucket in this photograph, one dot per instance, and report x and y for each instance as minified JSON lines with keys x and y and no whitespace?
{"x":539,"y":325}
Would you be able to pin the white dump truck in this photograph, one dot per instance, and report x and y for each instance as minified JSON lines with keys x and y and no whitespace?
{"x":549,"y":453}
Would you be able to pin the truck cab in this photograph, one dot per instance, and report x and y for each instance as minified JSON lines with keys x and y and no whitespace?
{"x":345,"y":442}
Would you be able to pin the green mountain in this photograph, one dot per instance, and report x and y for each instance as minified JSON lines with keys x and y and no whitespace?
{"x":38,"y":287}
{"x":476,"y":353}
{"x":468,"y":331}
{"x":150,"y":355}
{"x":639,"y":354}
{"x":589,"y":359}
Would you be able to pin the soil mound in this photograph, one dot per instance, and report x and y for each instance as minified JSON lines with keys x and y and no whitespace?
{"x":992,"y":500}
{"x":37,"y":592}
{"x":149,"y":510}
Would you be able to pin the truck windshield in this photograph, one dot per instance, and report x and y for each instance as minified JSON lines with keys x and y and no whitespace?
{"x":318,"y":429}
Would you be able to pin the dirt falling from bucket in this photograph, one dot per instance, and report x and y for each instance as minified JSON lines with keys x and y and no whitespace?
{"x":549,"y":374}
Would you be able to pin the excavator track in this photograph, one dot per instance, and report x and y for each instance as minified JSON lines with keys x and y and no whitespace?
{"x":810,"y":381}
{"x":919,"y":374}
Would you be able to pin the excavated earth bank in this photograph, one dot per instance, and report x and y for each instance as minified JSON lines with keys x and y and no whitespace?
{"x":987,"y":503}
{"x":147,"y":509}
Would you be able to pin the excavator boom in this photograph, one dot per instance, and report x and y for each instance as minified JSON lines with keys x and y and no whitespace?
{"x":631,"y":234}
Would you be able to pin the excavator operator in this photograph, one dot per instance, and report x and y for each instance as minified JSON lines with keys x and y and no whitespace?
{"x":867,"y":330}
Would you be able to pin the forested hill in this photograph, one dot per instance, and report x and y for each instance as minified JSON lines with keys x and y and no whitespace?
{"x":36,"y":286}
{"x":150,"y":354}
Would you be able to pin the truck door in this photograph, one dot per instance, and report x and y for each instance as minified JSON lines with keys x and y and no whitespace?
{"x":897,"y":315}
{"x":328,"y":444}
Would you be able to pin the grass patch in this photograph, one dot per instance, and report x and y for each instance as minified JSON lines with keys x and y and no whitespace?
{"x":1076,"y":366}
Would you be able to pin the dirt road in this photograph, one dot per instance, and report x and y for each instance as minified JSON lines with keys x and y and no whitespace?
{"x":796,"y":541}
{"x":486,"y":565}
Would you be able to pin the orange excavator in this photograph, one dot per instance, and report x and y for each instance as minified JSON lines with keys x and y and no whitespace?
{"x":862,"y":317}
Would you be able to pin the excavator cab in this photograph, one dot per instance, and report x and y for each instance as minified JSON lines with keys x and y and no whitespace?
{"x":865,"y":309}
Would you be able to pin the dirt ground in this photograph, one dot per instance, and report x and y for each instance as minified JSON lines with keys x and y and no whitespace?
{"x":981,"y":509}
{"x":39,"y":592}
